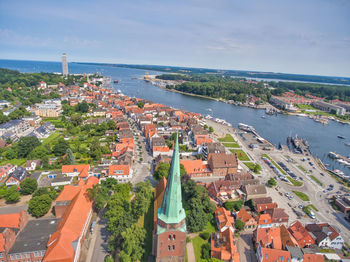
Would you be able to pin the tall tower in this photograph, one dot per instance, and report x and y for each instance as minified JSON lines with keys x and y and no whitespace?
{"x":64,"y":65}
{"x":171,"y":226}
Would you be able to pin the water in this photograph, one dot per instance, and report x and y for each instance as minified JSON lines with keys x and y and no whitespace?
{"x":322,"y":139}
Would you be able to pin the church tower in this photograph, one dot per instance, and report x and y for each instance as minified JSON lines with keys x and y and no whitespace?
{"x":171,"y":226}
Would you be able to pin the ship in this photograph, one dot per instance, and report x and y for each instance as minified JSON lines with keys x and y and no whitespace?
{"x":246,"y":128}
{"x":347,"y":143}
{"x":115,"y":81}
{"x":333,"y":155}
{"x":341,"y":137}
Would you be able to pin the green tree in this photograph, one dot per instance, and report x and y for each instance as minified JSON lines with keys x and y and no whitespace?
{"x":257,"y":168}
{"x":39,"y":205}
{"x":26,"y":144}
{"x":76,"y":119}
{"x":141,"y":104}
{"x":239,"y":225}
{"x":234,"y":205}
{"x":211,"y":129}
{"x":69,"y":159}
{"x":133,"y":239}
{"x":142,"y":199}
{"x":41,"y":191}
{"x":95,"y":150}
{"x":111,"y":125}
{"x":28,"y":186}
{"x":60,"y":148}
{"x":205,"y":250}
{"x":12,"y":195}
{"x":272,"y":182}
{"x":82,"y":107}
{"x":162,"y":170}
{"x":3,"y":190}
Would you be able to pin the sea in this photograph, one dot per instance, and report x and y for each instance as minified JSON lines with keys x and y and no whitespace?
{"x":321,"y":138}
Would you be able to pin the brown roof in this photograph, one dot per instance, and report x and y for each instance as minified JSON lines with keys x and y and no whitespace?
{"x":277,"y":215}
{"x":222,"y":160}
{"x":262,"y":200}
{"x":255,"y":189}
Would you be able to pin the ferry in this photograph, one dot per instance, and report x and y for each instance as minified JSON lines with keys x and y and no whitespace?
{"x":341,"y":137}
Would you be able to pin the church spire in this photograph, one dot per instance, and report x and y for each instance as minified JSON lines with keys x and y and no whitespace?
{"x":171,"y":211}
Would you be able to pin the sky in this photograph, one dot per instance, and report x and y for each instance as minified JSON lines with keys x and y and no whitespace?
{"x":296,"y":36}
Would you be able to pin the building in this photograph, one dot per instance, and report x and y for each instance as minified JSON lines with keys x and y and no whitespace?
{"x":223,"y":164}
{"x":30,"y":244}
{"x":65,"y":244}
{"x":76,"y":170}
{"x":224,"y":220}
{"x":282,"y":103}
{"x":343,"y":203}
{"x":244,"y":216}
{"x":301,"y":235}
{"x":64,"y":65}
{"x":122,"y":173}
{"x":32,"y":164}
{"x":170,"y":234}
{"x":328,"y":107}
{"x":16,"y":177}
{"x":325,"y":235}
{"x":272,"y":255}
{"x":254,"y":191}
{"x":278,"y":216}
{"x":49,"y":108}
{"x":223,"y":246}
{"x":5,"y":170}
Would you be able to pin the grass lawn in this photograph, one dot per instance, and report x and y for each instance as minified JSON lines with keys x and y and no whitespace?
{"x":51,"y":138}
{"x":302,"y":169}
{"x":302,"y":195}
{"x":301,"y":106}
{"x":313,"y":207}
{"x":17,"y":162}
{"x":209,"y":228}
{"x":146,"y":222}
{"x":316,"y":180}
{"x":241,"y":154}
{"x":197,"y":243}
{"x":275,"y":164}
{"x":227,"y":138}
{"x":234,"y":145}
{"x":294,"y":182}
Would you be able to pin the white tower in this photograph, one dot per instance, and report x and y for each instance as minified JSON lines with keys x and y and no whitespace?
{"x":64,"y":64}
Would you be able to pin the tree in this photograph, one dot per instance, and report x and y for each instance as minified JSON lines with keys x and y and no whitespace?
{"x":211,"y":129}
{"x":234,"y":205}
{"x":272,"y":182}
{"x":39,"y":205}
{"x":69,"y":159}
{"x":28,"y":186}
{"x":250,"y":203}
{"x":26,"y":144}
{"x":239,"y":225}
{"x":12,"y":195}
{"x":257,"y":168}
{"x":205,"y":250}
{"x":95,"y":150}
{"x":162,"y":170}
{"x":76,"y":119}
{"x":132,"y":243}
{"x":60,"y":148}
{"x":182,"y":170}
{"x":205,"y":235}
{"x":111,"y":125}
{"x":141,"y":104}
{"x":41,"y":191}
{"x":142,"y":199}
{"x":82,"y":107}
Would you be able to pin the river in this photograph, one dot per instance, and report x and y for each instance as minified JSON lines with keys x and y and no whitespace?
{"x":322,"y":139}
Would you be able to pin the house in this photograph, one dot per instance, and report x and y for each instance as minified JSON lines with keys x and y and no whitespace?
{"x":211,"y":148}
{"x":264,"y":221}
{"x":301,"y":235}
{"x":325,"y":235}
{"x":122,"y":173}
{"x":16,"y":177}
{"x":30,"y":244}
{"x":17,"y":127}
{"x":224,"y":220}
{"x":268,"y":237}
{"x":32,"y":164}
{"x":2,"y":143}
{"x":278,"y":216}
{"x":286,"y":238}
{"x":254,"y":191}
{"x":343,"y":203}
{"x":65,"y":244}
{"x":222,"y":164}
{"x":224,"y":190}
{"x":196,"y":168}
{"x":250,"y":222}
{"x":61,"y":180}
{"x":223,"y":246}
{"x":159,"y":147}
{"x":272,"y":255}
{"x":76,"y":170}
{"x":296,"y":253}
{"x":313,"y":258}
{"x":49,"y":108}
{"x":42,"y":85}
{"x":5,"y":170}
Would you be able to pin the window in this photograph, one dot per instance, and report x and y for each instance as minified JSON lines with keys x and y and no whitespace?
{"x":174,"y":237}
{"x":36,"y":254}
{"x":266,"y":256}
{"x":169,"y":238}
{"x":17,"y":256}
{"x":27,"y":255}
{"x":168,"y":248}
{"x":173,"y":247}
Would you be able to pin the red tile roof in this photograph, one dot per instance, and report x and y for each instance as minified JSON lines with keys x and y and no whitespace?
{"x":272,"y":255}
{"x":301,"y":235}
{"x":118,"y":170}
{"x":224,"y":218}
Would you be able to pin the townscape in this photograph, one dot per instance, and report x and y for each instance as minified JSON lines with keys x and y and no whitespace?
{"x":90,"y":174}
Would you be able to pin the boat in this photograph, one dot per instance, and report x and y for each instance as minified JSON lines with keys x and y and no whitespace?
{"x":347,"y":143}
{"x":341,"y":137}
{"x":333,"y":155}
{"x":245,"y":127}
{"x":115,"y":81}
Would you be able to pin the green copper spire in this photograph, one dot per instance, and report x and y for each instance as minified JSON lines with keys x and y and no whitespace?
{"x":171,"y":211}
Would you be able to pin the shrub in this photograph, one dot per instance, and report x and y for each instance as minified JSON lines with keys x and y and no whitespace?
{"x":205,"y":235}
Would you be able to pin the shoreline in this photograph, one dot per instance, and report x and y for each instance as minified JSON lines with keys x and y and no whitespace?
{"x":264,"y":107}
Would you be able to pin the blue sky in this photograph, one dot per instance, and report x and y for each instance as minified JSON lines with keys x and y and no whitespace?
{"x":307,"y":37}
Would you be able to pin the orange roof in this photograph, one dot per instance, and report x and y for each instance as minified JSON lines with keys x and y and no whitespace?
{"x":224,"y":218}
{"x":71,"y":226}
{"x":68,"y":193}
{"x":158,"y":197}
{"x":223,"y":246}
{"x":2,"y":243}
{"x":313,"y":258}
{"x":193,"y":166}
{"x":10,"y":220}
{"x":83,"y":170}
{"x":269,"y":236}
{"x":117,"y":170}
{"x":244,"y":215}
{"x":269,"y":254}
{"x":264,"y":219}
{"x":301,"y":235}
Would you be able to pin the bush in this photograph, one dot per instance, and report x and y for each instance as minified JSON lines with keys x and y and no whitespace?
{"x":205,"y":250}
{"x":239,"y":225}
{"x":12,"y":195}
{"x":205,"y":235}
{"x":234,"y":205}
{"x":272,"y":182}
{"x":28,"y":186}
{"x":188,"y":239}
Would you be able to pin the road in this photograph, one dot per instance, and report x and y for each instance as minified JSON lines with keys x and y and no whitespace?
{"x":98,"y":249}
